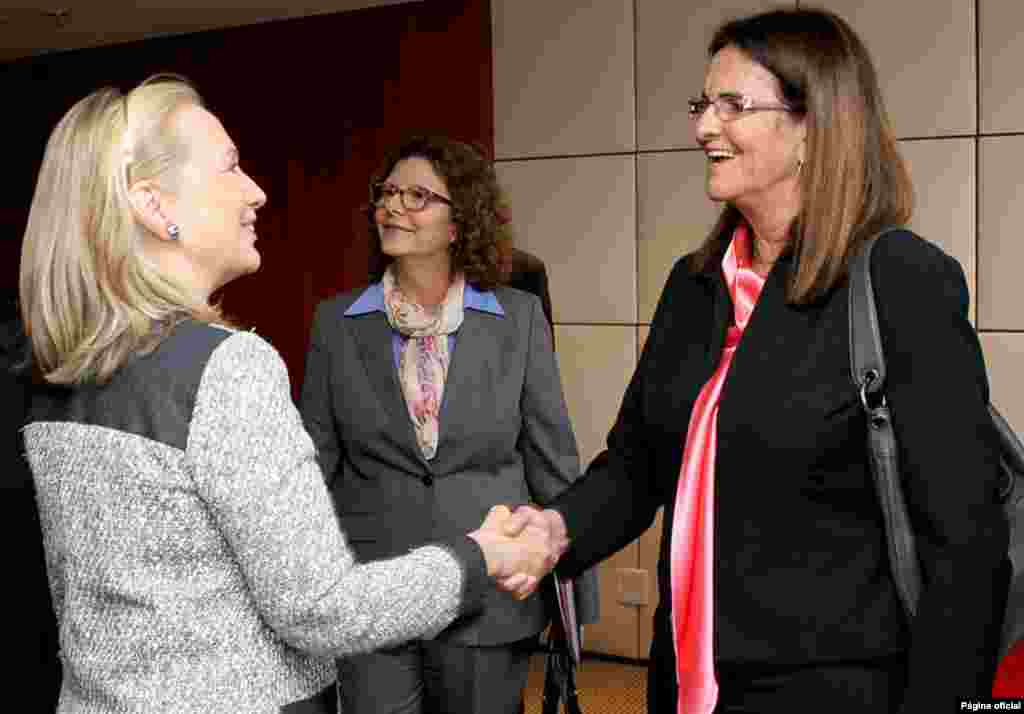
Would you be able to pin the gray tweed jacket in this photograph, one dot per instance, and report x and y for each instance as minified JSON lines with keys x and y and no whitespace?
{"x":193,"y":552}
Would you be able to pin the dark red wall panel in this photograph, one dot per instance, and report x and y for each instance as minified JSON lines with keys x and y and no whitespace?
{"x":313,"y":104}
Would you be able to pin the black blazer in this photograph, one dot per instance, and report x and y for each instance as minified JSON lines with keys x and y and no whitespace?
{"x":505,"y":438}
{"x":801,"y":572}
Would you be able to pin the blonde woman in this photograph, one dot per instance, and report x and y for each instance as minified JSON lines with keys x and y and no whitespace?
{"x":194,"y":556}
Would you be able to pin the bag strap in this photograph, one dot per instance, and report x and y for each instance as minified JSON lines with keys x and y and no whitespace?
{"x":867,"y":360}
{"x":867,"y":366}
{"x":867,"y":369}
{"x":559,"y":680}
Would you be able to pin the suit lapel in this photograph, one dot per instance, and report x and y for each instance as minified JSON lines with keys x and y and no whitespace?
{"x":721,"y":318}
{"x":771,"y":313}
{"x":374,"y":335}
{"x":474,"y":360}
{"x":470,"y":371}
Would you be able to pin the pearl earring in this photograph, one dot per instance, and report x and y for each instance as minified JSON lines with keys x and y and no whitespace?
{"x":173,"y":231}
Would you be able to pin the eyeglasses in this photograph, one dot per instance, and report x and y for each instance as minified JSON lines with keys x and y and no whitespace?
{"x":729,"y":107}
{"x":413,"y":198}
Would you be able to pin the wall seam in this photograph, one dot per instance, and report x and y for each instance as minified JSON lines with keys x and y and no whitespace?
{"x":634,"y":330}
{"x":939,"y":137}
{"x":977,"y":165}
{"x":578,"y":323}
{"x":636,"y":176}
{"x":544,"y":157}
{"x":997,"y":134}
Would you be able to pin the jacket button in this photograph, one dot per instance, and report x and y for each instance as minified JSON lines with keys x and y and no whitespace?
{"x":428,"y":480}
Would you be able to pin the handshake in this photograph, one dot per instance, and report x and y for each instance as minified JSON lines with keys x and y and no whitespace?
{"x":521,"y":547}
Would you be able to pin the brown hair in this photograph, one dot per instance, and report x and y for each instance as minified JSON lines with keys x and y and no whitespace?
{"x":483,"y":236}
{"x":854,"y":181}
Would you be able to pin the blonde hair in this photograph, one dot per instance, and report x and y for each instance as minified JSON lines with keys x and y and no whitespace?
{"x":89,"y":297}
{"x":855,"y":181}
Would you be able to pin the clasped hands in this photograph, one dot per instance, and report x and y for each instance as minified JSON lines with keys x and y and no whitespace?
{"x":521,"y":547}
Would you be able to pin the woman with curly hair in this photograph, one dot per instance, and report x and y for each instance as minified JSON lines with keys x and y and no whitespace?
{"x":433,"y":395}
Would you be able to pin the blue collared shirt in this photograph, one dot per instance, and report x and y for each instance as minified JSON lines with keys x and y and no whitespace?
{"x":372,"y":300}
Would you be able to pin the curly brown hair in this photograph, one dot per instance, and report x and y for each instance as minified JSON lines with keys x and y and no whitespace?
{"x":483,"y":237}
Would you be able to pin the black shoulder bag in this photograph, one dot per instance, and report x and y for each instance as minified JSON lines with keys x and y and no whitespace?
{"x":867,"y":363}
{"x":560,"y":670}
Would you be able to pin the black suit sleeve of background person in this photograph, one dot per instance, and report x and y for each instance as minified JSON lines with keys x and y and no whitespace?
{"x":29,"y":660}
{"x":530,"y":275}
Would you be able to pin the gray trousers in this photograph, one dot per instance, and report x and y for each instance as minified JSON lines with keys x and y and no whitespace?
{"x":427,"y":677}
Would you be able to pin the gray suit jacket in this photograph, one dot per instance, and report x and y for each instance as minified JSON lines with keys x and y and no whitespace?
{"x":505,"y":437}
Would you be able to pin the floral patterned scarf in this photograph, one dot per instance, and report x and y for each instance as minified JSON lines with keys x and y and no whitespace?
{"x":423,"y":363}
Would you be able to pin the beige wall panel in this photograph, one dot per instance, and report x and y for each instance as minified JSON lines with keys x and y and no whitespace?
{"x":563,"y":77}
{"x":616,"y":632}
{"x":1000,"y":58}
{"x":671,"y":56}
{"x":944,"y":181}
{"x":924,"y":52}
{"x":596,"y":363}
{"x":647,"y":560}
{"x":578,"y":215}
{"x":675,"y":217}
{"x":648,"y":546}
{"x":1004,"y":358}
{"x":1000,"y":248}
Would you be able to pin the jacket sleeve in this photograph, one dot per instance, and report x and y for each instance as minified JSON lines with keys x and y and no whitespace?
{"x":546,"y":441}
{"x":315,"y":399}
{"x":254,"y":466}
{"x":949,"y":458}
{"x":550,"y":457}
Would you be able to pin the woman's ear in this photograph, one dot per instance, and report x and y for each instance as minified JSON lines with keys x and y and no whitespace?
{"x":147,"y":208}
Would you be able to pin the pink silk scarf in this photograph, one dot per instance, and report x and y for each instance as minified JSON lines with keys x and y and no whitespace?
{"x":693,"y":525}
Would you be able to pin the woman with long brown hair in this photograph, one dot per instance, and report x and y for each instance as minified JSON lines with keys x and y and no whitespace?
{"x":743,"y":421}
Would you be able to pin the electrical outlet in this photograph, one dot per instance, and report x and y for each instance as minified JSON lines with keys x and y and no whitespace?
{"x":632,"y":586}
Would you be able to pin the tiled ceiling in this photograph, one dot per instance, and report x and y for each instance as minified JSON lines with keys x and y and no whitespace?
{"x":72,"y":24}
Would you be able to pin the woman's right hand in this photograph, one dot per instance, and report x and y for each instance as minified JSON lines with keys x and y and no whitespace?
{"x":522,"y":555}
